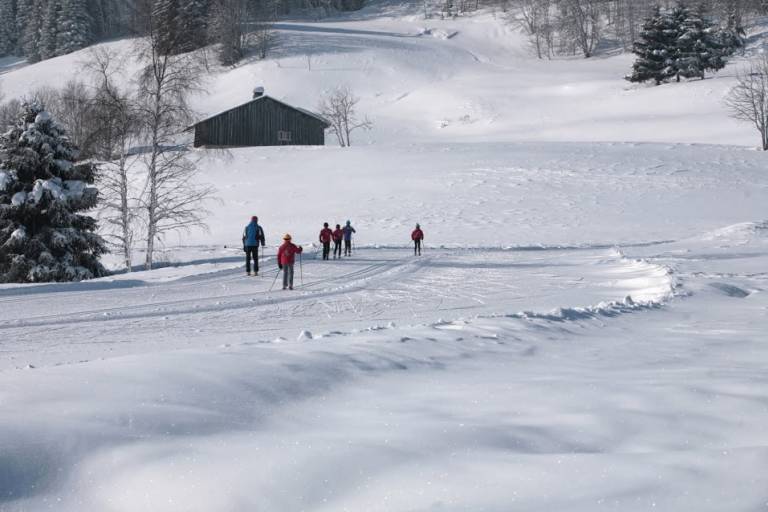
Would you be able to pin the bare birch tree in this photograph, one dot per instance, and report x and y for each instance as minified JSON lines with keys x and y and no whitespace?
{"x":240,"y":25}
{"x":339,"y":108}
{"x":172,"y":199}
{"x":535,"y":20}
{"x":580,"y":24}
{"x":748,"y":100}
{"x":116,"y":117}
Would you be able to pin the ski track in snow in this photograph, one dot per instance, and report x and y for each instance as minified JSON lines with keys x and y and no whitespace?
{"x":375,"y":287}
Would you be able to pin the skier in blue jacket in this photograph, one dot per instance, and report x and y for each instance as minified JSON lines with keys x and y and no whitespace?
{"x":348,"y":230}
{"x":253,"y":235}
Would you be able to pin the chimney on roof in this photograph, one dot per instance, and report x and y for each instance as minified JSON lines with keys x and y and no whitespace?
{"x":258,"y":92}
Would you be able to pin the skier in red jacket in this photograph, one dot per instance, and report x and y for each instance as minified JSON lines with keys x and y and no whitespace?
{"x":338,"y":236}
{"x":417,"y":236}
{"x":286,"y":258}
{"x":325,"y":238}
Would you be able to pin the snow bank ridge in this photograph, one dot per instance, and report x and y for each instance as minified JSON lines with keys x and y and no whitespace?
{"x":738,"y":233}
{"x":656,"y":287}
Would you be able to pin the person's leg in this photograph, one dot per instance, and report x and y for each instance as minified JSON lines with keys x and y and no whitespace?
{"x":248,"y":260}
{"x":256,"y":260}
{"x":285,"y":276}
{"x":290,"y":277}
{"x":336,"y":248}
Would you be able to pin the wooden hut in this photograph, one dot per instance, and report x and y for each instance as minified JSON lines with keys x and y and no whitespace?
{"x":263,"y":121}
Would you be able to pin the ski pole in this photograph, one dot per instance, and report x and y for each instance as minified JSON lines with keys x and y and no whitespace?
{"x":301,"y":270}
{"x":275,"y":279}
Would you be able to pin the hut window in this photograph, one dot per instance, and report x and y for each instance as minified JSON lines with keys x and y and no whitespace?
{"x":283,"y":136}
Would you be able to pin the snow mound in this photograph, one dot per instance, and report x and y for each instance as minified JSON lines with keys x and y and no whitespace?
{"x":604,"y":309}
{"x":738,"y":233}
{"x":305,"y":336}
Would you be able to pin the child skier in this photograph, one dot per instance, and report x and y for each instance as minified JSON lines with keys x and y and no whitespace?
{"x":338,"y":236}
{"x":348,"y":230}
{"x":286,"y":258}
{"x":417,"y":236}
{"x":252,"y":236}
{"x":325,"y":238}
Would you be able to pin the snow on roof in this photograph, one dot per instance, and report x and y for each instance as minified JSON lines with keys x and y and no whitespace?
{"x":302,"y":110}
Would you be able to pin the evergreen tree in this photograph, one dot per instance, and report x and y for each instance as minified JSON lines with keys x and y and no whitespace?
{"x":733,"y":37}
{"x":192,"y":24}
{"x":28,"y":19}
{"x":8,"y":33}
{"x":679,"y":43}
{"x":49,"y":30}
{"x":42,"y":237}
{"x":698,"y":47}
{"x":74,"y":27}
{"x":165,"y":14}
{"x":655,"y":49}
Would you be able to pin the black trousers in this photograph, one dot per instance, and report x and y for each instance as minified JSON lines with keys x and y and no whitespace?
{"x":347,"y":247}
{"x":336,"y":248}
{"x":417,"y":247}
{"x":326,"y":250}
{"x":252,"y":252}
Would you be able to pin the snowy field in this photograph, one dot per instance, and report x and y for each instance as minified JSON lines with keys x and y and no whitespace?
{"x":586,"y":329}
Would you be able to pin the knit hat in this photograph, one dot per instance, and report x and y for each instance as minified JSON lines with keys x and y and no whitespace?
{"x":254,"y":218}
{"x":286,"y":236}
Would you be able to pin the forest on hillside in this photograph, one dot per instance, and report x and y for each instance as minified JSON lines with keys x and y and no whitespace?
{"x":41,"y":29}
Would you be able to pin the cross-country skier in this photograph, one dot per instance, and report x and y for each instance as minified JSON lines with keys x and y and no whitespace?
{"x":325,"y":238}
{"x":417,"y":236}
{"x":252,"y":236}
{"x":348,"y":230}
{"x":286,"y":258}
{"x":338,"y":236}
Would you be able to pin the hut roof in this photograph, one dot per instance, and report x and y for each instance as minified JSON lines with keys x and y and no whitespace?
{"x":301,"y":110}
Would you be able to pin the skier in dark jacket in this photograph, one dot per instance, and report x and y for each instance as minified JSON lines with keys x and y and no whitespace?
{"x":338,"y":236}
{"x":325,"y":238}
{"x":253,"y":235}
{"x":348,"y":230}
{"x":286,"y":258}
{"x":417,"y":236}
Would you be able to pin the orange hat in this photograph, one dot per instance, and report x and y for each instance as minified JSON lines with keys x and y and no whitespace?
{"x":286,"y":236}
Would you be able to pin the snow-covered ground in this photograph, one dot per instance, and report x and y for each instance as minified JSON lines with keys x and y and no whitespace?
{"x":585,"y":330}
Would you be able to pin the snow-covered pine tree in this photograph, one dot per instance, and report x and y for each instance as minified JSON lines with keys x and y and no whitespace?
{"x":49,"y":29}
{"x":165,"y":14}
{"x":192,"y":24}
{"x":732,"y":37}
{"x":8,"y":34}
{"x":698,"y":46}
{"x":74,"y":27}
{"x":42,"y":236}
{"x":28,"y":19}
{"x":655,"y":49}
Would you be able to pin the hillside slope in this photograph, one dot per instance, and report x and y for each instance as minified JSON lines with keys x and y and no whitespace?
{"x":480,"y":84}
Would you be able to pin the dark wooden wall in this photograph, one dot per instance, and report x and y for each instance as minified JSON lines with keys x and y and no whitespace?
{"x":257,"y":123}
